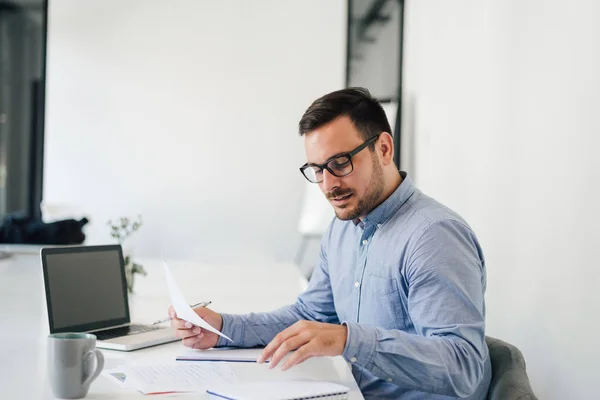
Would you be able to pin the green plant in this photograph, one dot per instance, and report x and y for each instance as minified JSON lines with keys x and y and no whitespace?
{"x":121,"y":230}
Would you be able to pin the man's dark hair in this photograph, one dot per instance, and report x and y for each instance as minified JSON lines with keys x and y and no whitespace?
{"x":364,"y":111}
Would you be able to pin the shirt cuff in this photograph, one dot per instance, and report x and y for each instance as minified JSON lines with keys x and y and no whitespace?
{"x":360,"y":344}
{"x":233,"y":328}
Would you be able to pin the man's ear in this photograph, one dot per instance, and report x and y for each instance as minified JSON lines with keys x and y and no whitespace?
{"x":386,"y":147}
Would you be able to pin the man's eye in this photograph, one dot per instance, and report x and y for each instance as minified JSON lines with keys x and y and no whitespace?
{"x":339,"y":163}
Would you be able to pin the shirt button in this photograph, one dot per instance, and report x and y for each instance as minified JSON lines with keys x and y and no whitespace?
{"x":379,"y":225}
{"x":356,"y":284}
{"x":365,"y":242}
{"x":389,"y":379}
{"x":353,"y":360}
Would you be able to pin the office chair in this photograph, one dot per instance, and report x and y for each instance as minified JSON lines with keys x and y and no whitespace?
{"x":509,"y":375}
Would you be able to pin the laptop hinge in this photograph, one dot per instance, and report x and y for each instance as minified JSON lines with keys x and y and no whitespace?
{"x":111,"y":327}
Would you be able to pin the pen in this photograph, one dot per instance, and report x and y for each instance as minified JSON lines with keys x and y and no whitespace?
{"x":201,"y":304}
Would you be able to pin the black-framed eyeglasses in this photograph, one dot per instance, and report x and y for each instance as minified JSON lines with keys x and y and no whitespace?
{"x":339,"y":165}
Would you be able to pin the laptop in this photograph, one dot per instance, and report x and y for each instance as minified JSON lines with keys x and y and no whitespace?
{"x":86,"y":291}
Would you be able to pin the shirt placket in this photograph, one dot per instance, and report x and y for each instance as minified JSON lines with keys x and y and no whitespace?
{"x":363,"y":249}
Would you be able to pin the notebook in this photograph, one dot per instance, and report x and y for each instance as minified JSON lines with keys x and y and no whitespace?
{"x":279,"y":390}
{"x":220,"y":354}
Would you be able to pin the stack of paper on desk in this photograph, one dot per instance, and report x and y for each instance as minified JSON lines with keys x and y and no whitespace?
{"x":185,"y":377}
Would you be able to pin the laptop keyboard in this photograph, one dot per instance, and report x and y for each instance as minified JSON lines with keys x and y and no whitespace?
{"x":124,"y":331}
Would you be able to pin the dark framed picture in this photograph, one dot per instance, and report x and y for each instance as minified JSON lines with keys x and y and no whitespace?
{"x":374,"y":55}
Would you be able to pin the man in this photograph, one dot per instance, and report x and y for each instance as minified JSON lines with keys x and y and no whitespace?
{"x":398,"y":290}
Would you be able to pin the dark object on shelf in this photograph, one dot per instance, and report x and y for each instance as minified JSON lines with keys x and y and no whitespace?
{"x":18,"y":229}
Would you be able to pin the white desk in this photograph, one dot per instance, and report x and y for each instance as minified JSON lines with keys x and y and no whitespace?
{"x":232,"y":288}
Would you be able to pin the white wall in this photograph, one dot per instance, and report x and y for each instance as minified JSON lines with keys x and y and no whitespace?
{"x":186,"y":112}
{"x":502,"y":106}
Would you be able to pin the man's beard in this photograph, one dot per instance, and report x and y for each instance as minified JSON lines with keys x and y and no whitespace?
{"x":371,"y":198}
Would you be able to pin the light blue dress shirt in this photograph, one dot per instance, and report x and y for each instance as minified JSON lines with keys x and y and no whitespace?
{"x":408,"y":281}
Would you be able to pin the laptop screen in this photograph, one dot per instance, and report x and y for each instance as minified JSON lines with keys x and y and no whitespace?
{"x":85,"y":287}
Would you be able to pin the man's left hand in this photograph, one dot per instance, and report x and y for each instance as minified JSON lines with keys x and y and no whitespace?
{"x":309,"y":339}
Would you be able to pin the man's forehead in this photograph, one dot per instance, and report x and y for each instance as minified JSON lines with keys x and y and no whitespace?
{"x":330,"y":140}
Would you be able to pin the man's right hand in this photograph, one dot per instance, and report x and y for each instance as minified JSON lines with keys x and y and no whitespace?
{"x":194,"y":336}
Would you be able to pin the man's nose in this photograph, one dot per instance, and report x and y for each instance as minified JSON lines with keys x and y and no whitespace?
{"x":330,"y":181}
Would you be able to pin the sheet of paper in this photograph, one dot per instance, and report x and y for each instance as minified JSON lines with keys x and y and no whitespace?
{"x":182,"y":307}
{"x":184,"y":377}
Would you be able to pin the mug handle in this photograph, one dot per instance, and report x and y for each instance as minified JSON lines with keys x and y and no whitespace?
{"x":99,"y":365}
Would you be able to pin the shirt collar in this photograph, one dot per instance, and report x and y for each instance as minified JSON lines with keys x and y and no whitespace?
{"x":385,"y":210}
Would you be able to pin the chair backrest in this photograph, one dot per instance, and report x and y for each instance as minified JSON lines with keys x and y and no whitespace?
{"x":509,"y":375}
